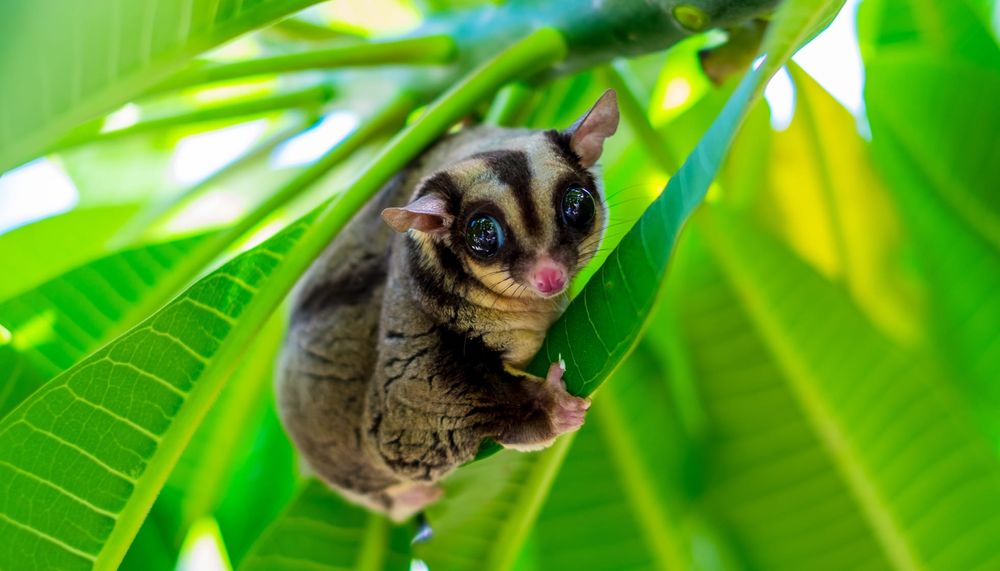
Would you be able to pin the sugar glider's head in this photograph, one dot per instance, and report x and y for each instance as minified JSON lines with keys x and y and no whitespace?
{"x":522,"y":219}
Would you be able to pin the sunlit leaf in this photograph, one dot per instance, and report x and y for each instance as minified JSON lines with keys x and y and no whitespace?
{"x":40,"y":251}
{"x":64,"y":319}
{"x":767,"y":476}
{"x":922,"y":473}
{"x":943,"y":164}
{"x":826,"y":198}
{"x":321,"y":531}
{"x":100,"y":54}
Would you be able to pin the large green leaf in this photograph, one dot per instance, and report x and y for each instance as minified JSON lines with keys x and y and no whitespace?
{"x":767,"y":477}
{"x":66,"y":63}
{"x":42,"y":250}
{"x":948,"y":122}
{"x":489,"y":508}
{"x":908,"y":450}
{"x":943,"y":163}
{"x":211,"y":467}
{"x":640,"y":515}
{"x":202,"y":474}
{"x":122,"y":417}
{"x":67,"y":317}
{"x":270,"y":464}
{"x":825,"y":197}
{"x":950,"y":29}
{"x":321,"y":531}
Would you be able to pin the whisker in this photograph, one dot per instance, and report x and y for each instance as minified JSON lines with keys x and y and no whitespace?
{"x":618,"y":203}
{"x":501,"y":294}
{"x":627,"y":188}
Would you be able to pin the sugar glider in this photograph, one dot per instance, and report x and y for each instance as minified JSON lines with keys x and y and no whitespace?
{"x":408,"y":335}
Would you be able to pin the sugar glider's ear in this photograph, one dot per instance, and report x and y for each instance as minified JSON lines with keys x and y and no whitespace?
{"x":586,"y":136}
{"x":428,"y":214}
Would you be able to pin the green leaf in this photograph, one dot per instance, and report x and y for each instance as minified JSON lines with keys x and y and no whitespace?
{"x":947,"y":121}
{"x":768,"y":479}
{"x":922,"y":474}
{"x":203,"y":474}
{"x":42,"y":250}
{"x":321,"y":531}
{"x":943,"y":165}
{"x":639,"y":515}
{"x":66,"y":318}
{"x":211,"y":467}
{"x":488,"y":509}
{"x":270,"y":464}
{"x":826,"y":199}
{"x":98,"y":55}
{"x":583,"y":526}
{"x":123,"y":437}
{"x":950,"y":29}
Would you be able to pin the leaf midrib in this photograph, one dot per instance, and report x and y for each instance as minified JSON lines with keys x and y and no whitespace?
{"x":823,"y":421}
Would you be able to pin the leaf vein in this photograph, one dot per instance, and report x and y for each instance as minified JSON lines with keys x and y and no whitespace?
{"x":50,"y":484}
{"x":173,"y":388}
{"x":77,"y":448}
{"x":54,"y":540}
{"x":125,"y":420}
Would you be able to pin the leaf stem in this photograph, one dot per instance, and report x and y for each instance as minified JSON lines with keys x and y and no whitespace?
{"x":619,"y":75}
{"x":507,"y":544}
{"x":299,"y":29}
{"x":436,"y":49}
{"x":310,"y":97}
{"x":661,"y":533}
{"x":374,"y":544}
{"x":508,"y":106}
{"x":166,"y":208}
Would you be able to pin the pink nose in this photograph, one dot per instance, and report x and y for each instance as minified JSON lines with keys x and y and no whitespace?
{"x":548,"y":278}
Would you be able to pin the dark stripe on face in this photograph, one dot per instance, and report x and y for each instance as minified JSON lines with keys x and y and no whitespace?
{"x":560,"y":143}
{"x":512,"y":168}
{"x":449,"y":262}
{"x":443,"y":185}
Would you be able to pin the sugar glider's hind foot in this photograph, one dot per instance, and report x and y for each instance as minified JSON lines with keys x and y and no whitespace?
{"x":406,"y":500}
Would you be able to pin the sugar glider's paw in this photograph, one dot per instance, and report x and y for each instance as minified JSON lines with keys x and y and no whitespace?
{"x":568,"y":411}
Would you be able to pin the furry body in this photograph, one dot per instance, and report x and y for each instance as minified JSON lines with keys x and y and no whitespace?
{"x":404,"y":351}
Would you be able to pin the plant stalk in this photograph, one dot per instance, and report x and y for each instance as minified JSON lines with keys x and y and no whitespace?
{"x":311,"y":97}
{"x":620,"y":77}
{"x":433,"y":49}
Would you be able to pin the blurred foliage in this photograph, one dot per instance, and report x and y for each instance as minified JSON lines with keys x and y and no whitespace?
{"x":817,"y":385}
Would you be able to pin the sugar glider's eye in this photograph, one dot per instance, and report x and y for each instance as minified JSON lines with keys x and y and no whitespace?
{"x":484,"y":236}
{"x":578,"y":207}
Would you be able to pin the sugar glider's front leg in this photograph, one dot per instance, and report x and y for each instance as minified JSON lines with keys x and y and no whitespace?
{"x":560,"y":411}
{"x":427,"y":415}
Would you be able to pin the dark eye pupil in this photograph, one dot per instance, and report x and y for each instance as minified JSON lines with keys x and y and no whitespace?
{"x":484,"y":236}
{"x":578,"y":208}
